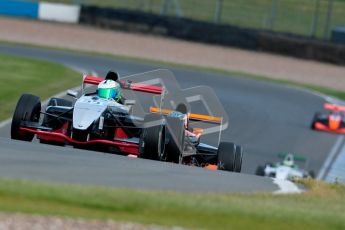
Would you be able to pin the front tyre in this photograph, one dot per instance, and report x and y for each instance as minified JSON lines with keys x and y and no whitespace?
{"x":238,"y":159}
{"x":28,"y":109}
{"x":226,"y":156}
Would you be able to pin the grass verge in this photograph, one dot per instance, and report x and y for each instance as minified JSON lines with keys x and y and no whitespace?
{"x":321,"y":208}
{"x":22,"y":75}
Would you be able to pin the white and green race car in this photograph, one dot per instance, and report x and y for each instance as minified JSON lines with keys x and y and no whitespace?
{"x":287,"y":169}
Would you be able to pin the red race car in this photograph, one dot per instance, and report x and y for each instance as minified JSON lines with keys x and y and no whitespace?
{"x":334,"y":121}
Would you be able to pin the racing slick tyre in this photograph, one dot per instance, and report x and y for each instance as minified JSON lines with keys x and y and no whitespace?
{"x":152,"y":140}
{"x":315,"y":118}
{"x":176,"y":139}
{"x":226,"y":156}
{"x":260,"y":171}
{"x":28,"y":109}
{"x":238,"y":159}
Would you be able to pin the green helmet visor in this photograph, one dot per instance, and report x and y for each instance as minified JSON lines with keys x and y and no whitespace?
{"x":107,"y":93}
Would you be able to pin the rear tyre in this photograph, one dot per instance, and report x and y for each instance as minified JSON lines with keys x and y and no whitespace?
{"x":152,"y":140}
{"x":226,"y":156}
{"x":238,"y":159}
{"x":28,"y":109}
{"x":176,"y":137}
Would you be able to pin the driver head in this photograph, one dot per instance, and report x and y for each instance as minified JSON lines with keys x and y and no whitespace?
{"x":182,"y":108}
{"x":111,"y":75}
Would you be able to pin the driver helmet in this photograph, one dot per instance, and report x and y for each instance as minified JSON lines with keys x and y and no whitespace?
{"x":289,"y":160}
{"x":108,"y":89}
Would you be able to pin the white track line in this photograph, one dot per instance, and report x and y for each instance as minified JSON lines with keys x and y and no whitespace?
{"x":327,"y":164}
{"x":286,"y":187}
{"x":337,"y":171}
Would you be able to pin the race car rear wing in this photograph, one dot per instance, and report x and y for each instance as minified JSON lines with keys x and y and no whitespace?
{"x":329,"y":106}
{"x":192,"y":116}
{"x":126,"y":85}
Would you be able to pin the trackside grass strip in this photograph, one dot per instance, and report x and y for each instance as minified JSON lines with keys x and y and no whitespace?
{"x":323,"y":207}
{"x":23,"y":75}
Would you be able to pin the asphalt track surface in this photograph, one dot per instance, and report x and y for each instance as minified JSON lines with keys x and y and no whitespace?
{"x":265,"y":118}
{"x":44,"y":162}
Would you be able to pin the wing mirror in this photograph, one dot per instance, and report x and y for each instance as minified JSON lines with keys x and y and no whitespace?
{"x":72,"y":93}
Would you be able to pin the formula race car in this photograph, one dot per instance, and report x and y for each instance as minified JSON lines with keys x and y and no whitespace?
{"x":286,"y":170}
{"x":103,"y":123}
{"x":334,"y":121}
